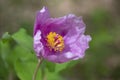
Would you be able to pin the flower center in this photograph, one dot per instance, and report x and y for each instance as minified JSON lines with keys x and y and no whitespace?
{"x":55,"y":41}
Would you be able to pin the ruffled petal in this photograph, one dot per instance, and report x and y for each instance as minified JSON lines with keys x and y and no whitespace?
{"x":38,"y":47}
{"x":75,"y":51}
{"x":73,"y":35}
{"x":80,"y":46}
{"x":41,"y":18}
{"x":62,"y":25}
{"x":76,"y":31}
{"x":59,"y":57}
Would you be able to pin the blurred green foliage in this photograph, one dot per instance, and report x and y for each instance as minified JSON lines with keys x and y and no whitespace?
{"x":18,"y":55}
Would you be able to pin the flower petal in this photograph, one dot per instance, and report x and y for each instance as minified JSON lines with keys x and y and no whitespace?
{"x":62,"y":25}
{"x":76,"y":51}
{"x":80,"y":46}
{"x":41,"y":18}
{"x":76,"y":31}
{"x":61,"y":58}
{"x":38,"y":47}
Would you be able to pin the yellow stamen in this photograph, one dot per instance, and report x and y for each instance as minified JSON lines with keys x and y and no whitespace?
{"x":55,"y":41}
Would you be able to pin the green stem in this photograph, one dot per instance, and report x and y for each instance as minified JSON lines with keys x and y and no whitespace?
{"x":37,"y":68}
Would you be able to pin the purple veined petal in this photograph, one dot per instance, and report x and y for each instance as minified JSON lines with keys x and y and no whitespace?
{"x":61,"y":58}
{"x":38,"y":47}
{"x":66,"y":57}
{"x":73,"y":35}
{"x":41,"y":17}
{"x":67,"y":26}
{"x":77,"y":50}
{"x":80,"y":46}
{"x":55,"y":25}
{"x":62,"y":25}
{"x":76,"y":31}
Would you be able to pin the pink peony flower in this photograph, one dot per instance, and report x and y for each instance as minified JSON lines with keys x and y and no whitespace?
{"x":59,"y":39}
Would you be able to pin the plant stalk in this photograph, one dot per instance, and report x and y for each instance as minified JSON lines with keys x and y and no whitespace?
{"x":37,"y":68}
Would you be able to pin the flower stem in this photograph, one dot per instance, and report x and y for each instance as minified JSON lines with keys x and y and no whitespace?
{"x":37,"y":68}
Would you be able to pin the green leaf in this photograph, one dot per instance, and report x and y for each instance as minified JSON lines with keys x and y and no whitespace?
{"x":53,"y":76}
{"x":25,"y":64}
{"x":23,"y":39}
{"x":23,"y":54}
{"x":6,"y":37}
{"x":3,"y":69}
{"x":25,"y":70}
{"x":60,"y":67}
{"x":6,"y":53}
{"x":73,"y":63}
{"x":50,"y":66}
